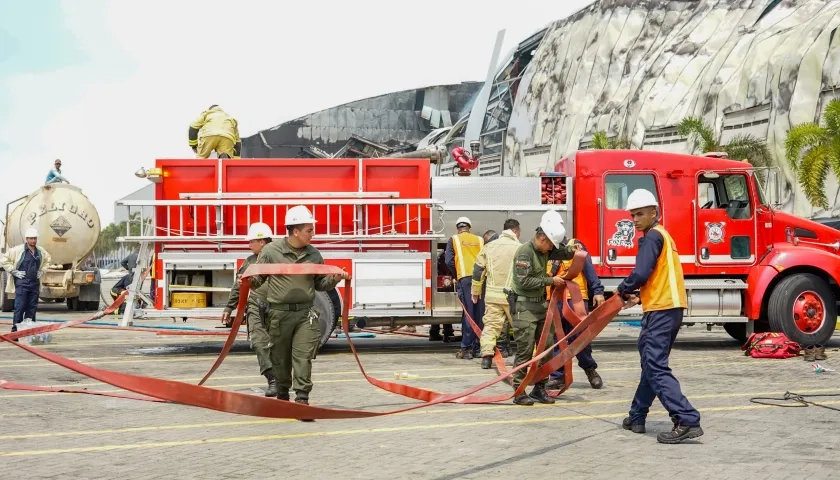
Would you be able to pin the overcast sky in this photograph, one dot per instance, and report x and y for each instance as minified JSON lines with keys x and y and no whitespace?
{"x":108,"y":86}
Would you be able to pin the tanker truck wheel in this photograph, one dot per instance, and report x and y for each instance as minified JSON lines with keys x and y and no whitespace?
{"x":803,"y":307}
{"x":6,"y":304}
{"x":328,"y":306}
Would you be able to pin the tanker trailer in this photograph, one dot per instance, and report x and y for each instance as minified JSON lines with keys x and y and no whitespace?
{"x":68,"y":228}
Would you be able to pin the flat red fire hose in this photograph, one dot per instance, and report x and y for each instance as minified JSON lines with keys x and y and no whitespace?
{"x":246,"y":404}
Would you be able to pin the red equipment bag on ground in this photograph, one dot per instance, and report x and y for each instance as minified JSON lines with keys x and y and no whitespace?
{"x":770,"y":345}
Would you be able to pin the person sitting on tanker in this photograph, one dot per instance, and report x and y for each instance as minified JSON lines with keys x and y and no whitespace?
{"x":288,"y":308}
{"x":448,"y":330}
{"x":259,"y":235}
{"x":215,"y":130}
{"x":658,"y":276}
{"x":527,"y":294}
{"x":55,"y":175}
{"x":461,"y":252}
{"x":490,"y":275}
{"x":588,"y":281}
{"x":26,"y":264}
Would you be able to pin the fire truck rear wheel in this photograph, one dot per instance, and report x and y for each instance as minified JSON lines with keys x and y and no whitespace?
{"x":327,"y":304}
{"x":802,"y":306}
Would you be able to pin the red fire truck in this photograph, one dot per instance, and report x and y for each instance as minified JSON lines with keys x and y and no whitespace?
{"x":747,"y":266}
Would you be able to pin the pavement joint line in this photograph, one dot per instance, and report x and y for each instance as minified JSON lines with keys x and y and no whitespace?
{"x":406,"y":428}
{"x":360,"y":378}
{"x":443,"y":408}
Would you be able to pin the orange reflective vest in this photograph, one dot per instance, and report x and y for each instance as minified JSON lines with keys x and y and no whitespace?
{"x":665,"y":288}
{"x":580,"y":279}
{"x":466,"y":246}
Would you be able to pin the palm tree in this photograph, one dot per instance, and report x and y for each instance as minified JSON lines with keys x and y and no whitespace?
{"x":745,"y":147}
{"x":812,"y":150}
{"x":600,"y":141}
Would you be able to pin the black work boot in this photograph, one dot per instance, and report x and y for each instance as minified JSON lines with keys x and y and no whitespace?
{"x":539,"y":394}
{"x":633,"y":427}
{"x":303,"y":398}
{"x":486,"y":362}
{"x":679,"y":433}
{"x":594,"y":379}
{"x":283,"y":393}
{"x":523,"y":399}
{"x":271,"y":391}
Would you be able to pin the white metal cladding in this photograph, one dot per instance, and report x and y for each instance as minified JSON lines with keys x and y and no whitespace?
{"x":751,"y":121}
{"x":389,"y":284}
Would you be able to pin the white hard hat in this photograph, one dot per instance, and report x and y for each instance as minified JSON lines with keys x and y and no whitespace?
{"x":552,"y":225}
{"x":299,"y":215}
{"x":259,"y":231}
{"x":31,"y":233}
{"x":640,"y":198}
{"x":463,"y":220}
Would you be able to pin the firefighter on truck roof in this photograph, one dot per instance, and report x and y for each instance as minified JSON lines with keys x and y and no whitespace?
{"x":259,"y":235}
{"x":490,"y":275}
{"x":288,"y":308}
{"x":461,"y":252}
{"x":588,"y":281}
{"x":659,"y":277}
{"x":527,"y":296}
{"x":215,"y":130}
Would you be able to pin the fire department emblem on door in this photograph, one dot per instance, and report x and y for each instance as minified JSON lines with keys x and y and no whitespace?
{"x":60,"y":226}
{"x":714,"y":231}
{"x":623,"y":237}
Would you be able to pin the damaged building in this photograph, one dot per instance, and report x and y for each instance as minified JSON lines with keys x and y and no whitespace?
{"x":390,"y":124}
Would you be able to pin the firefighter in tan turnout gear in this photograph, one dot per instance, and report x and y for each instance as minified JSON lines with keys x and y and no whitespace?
{"x":287,"y":305}
{"x":259,"y":235}
{"x":491,"y":271}
{"x":215,"y":130}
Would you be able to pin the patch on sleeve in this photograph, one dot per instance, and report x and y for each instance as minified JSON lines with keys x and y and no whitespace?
{"x":523,"y":266}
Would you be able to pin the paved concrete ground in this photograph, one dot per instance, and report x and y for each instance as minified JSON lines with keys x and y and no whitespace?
{"x":67,"y":435}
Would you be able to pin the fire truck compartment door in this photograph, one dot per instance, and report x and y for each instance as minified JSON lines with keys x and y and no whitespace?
{"x":389,"y":284}
{"x":725,"y":220}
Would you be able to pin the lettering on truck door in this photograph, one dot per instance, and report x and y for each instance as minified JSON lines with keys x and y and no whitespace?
{"x":725,"y":219}
{"x":621,"y":239}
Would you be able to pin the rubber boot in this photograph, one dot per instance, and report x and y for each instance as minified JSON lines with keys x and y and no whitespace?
{"x":271,"y":391}
{"x":486,"y":362}
{"x":303,"y":398}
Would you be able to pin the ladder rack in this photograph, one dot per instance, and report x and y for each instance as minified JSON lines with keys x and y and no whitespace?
{"x":338,"y":219}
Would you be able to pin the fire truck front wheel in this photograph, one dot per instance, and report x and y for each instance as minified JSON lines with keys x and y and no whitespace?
{"x":803,"y":307}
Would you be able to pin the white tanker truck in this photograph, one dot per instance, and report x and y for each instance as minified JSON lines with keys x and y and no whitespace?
{"x":68,"y":228}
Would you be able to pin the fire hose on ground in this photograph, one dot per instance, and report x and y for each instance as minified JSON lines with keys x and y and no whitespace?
{"x":152,"y":389}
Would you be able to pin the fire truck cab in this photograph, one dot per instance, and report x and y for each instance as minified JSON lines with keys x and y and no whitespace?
{"x":386,"y":221}
{"x":746,"y":265}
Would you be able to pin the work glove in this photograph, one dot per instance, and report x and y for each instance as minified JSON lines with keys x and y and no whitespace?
{"x":40,"y":274}
{"x":18,"y":274}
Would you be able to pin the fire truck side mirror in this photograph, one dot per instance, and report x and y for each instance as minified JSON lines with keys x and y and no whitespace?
{"x":774,"y":187}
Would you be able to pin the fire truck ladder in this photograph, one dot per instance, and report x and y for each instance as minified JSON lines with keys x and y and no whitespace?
{"x":135,"y":289}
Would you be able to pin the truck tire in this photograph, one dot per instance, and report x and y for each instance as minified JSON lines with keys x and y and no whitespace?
{"x":6,"y":304}
{"x":327,"y":318}
{"x":802,"y":306}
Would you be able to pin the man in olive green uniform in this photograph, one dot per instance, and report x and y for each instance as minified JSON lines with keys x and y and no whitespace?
{"x":527,"y":288}
{"x":259,"y":235}
{"x":288,"y":308}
